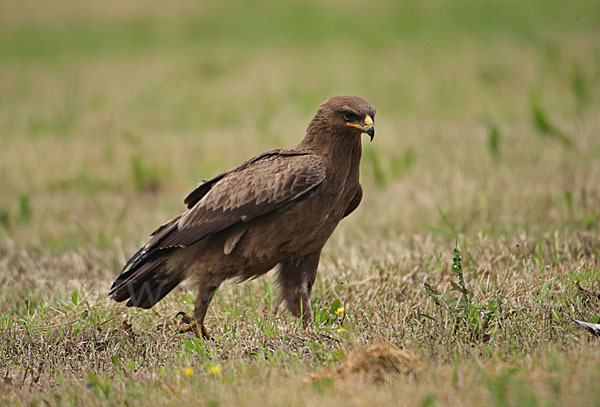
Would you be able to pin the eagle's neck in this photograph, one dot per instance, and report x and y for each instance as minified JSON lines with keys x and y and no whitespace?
{"x":341,"y":150}
{"x":330,"y":142}
{"x":316,"y":133}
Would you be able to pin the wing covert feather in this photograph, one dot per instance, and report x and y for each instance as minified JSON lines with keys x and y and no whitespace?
{"x":264,"y":184}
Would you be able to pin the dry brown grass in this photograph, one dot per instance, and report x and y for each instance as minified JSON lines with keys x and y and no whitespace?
{"x":378,"y":362}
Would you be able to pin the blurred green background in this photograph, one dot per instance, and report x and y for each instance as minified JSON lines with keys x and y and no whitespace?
{"x":110,"y":112}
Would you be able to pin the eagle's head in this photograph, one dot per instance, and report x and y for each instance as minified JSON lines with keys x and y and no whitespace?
{"x":343,"y":114}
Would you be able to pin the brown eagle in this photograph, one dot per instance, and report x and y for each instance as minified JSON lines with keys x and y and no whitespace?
{"x":278,"y":208}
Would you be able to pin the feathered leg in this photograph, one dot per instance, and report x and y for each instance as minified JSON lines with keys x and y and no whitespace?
{"x":295,"y":280}
{"x":196,"y":323}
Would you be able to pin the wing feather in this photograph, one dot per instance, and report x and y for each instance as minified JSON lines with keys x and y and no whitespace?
{"x":261,"y":185}
{"x":202,"y":189}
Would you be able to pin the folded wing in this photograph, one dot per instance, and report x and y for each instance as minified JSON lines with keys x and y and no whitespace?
{"x":268,"y":183}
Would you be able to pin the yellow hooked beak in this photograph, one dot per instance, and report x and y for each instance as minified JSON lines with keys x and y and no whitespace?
{"x":368,"y":127}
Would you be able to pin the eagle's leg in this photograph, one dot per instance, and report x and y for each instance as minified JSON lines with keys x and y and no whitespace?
{"x":295,"y":280}
{"x":196,"y":322}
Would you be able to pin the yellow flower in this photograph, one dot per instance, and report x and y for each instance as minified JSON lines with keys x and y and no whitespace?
{"x":216,"y":369}
{"x":188,"y":371}
{"x":340,"y":330}
{"x":339,"y":310}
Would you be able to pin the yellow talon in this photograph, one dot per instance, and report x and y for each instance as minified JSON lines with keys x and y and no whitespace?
{"x":192,"y":325}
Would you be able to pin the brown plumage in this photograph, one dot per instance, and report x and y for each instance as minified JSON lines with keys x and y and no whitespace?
{"x":278,"y":208}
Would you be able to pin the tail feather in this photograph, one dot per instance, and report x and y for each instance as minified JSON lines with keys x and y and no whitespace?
{"x":146,"y":279}
{"x":131,"y":262}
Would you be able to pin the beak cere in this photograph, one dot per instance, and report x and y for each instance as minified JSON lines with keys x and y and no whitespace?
{"x":368,"y":127}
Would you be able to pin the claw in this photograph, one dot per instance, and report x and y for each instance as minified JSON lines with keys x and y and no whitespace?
{"x":205,"y":333}
{"x":192,"y":325}
{"x":185,"y":318}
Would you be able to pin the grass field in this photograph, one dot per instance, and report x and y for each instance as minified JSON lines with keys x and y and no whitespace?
{"x":488,"y":139}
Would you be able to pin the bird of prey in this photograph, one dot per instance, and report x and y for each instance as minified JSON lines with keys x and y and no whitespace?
{"x":276,"y":209}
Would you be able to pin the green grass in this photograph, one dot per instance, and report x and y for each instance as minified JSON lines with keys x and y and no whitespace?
{"x":487,"y":140}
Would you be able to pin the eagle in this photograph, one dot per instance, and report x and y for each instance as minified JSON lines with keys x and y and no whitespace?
{"x":276,"y":209}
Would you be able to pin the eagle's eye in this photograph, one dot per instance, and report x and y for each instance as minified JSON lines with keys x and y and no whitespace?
{"x":350,"y":116}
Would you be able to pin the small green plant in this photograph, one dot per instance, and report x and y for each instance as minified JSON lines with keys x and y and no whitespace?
{"x":467,"y":317}
{"x":544,"y":126}
{"x":494,"y":136}
{"x":69,"y":306}
{"x":25,"y":210}
{"x":580,"y":86}
{"x":195,"y":346}
{"x":329,"y":318}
